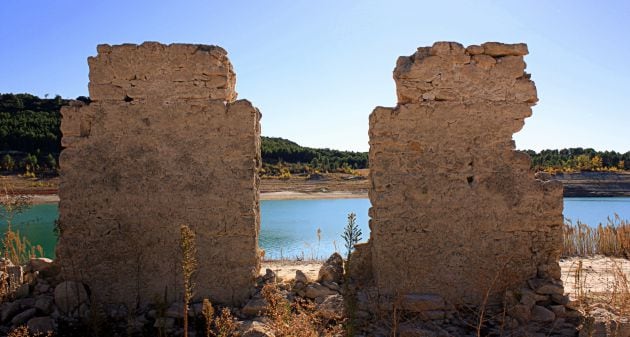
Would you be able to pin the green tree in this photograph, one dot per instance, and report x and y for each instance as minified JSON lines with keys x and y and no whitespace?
{"x":8,"y":163}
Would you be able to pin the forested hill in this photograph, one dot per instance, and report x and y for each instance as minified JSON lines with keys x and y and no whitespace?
{"x":30,"y":141}
{"x":279,"y":151}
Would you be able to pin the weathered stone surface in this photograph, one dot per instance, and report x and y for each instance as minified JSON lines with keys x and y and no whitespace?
{"x":332,"y":269}
{"x":332,"y":307}
{"x":315,"y":290}
{"x":24,"y":316}
{"x":40,"y":325}
{"x":422,"y":302}
{"x":69,"y":295}
{"x":162,"y":144}
{"x":255,"y":307}
{"x":256,"y":329}
{"x":503,"y":49}
{"x":455,"y":209}
{"x":542,"y":314}
{"x":40,"y":263}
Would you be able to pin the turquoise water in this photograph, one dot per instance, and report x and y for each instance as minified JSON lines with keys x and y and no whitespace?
{"x":289,"y":227}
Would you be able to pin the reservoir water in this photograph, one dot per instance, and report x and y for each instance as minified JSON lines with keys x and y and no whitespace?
{"x":289,"y":228}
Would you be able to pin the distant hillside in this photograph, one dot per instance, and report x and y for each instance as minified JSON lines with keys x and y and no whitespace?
{"x":280,"y":153}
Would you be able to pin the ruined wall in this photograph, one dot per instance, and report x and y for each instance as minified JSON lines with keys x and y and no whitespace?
{"x":163,"y":143}
{"x":455,"y":209}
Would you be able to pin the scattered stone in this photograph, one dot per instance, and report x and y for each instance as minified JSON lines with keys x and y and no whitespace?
{"x":301,"y":277}
{"x":332,"y":269}
{"x":175,"y":310}
{"x":521,"y":312}
{"x":40,"y":263}
{"x":331,"y":285}
{"x":550,"y":289}
{"x":256,"y":329}
{"x":255,"y":307}
{"x":69,"y":295}
{"x":22,"y":291}
{"x":24,"y":316}
{"x":40,"y":325}
{"x":270,"y":276}
{"x":542,"y":314}
{"x":164,"y":322}
{"x":559,"y":310}
{"x":44,"y":304}
{"x":315,"y":290}
{"x":8,"y":310}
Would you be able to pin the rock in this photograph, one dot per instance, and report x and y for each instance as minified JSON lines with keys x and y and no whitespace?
{"x":503,"y":49}
{"x":560,"y":299}
{"x":69,"y":295}
{"x":550,"y":289}
{"x":22,"y":291}
{"x":8,"y":310}
{"x":40,"y":263}
{"x":44,"y":304}
{"x":255,"y":307}
{"x":31,"y":277}
{"x":422,"y":302}
{"x":529,"y":298}
{"x":84,"y":311}
{"x":164,"y":322}
{"x":332,"y":307}
{"x":301,"y":277}
{"x":42,"y":287}
{"x":542,"y":314}
{"x":331,"y":285}
{"x":40,"y":325}
{"x":521,"y":312}
{"x":315,"y":290}
{"x":270,"y":276}
{"x":5,"y":263}
{"x":474,"y":50}
{"x":175,"y":310}
{"x":24,"y":316}
{"x":332,"y":269}
{"x":256,"y":329}
{"x":559,"y":310}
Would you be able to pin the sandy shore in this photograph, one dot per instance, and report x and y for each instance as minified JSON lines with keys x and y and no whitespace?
{"x":284,"y":195}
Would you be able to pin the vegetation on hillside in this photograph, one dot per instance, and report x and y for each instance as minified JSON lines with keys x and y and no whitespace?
{"x":281,"y":157}
{"x":579,"y":159}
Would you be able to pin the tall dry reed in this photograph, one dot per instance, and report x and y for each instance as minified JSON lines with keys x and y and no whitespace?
{"x":610,"y":239}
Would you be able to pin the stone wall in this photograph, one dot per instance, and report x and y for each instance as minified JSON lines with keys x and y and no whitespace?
{"x":163,"y":143}
{"x":455,"y":209}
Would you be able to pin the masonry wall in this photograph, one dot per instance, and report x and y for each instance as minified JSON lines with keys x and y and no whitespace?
{"x":163,"y":143}
{"x":455,"y":209}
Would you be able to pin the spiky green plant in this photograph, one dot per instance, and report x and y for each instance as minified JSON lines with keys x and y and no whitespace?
{"x":351,"y":234}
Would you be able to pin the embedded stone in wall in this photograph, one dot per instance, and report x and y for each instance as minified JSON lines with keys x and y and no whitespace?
{"x":163,"y":143}
{"x":455,"y":209}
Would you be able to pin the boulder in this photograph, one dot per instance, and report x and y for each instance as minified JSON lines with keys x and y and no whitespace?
{"x":69,"y":295}
{"x":542,"y":314}
{"x":332,"y":269}
{"x":24,"y":316}
{"x":301,"y":277}
{"x":332,"y":307}
{"x":8,"y":310}
{"x":315,"y":290}
{"x":40,"y":263}
{"x":44,"y":304}
{"x":255,"y":307}
{"x":256,"y":329}
{"x":40,"y":325}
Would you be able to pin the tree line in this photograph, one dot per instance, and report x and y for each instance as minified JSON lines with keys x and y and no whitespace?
{"x":30,"y":142}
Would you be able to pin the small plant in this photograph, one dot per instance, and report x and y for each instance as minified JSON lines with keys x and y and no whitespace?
{"x":352,"y":234}
{"x":224,"y":324}
{"x":208,"y":315}
{"x":189,"y":265}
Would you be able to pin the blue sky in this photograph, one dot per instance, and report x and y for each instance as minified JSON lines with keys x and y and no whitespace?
{"x":316,"y":69}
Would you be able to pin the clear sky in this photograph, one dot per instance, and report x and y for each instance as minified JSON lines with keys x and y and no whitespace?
{"x":316,"y":69}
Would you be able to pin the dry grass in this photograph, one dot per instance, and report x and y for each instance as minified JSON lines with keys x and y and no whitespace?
{"x":611,"y":239}
{"x":297,"y":319}
{"x":23,"y":331}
